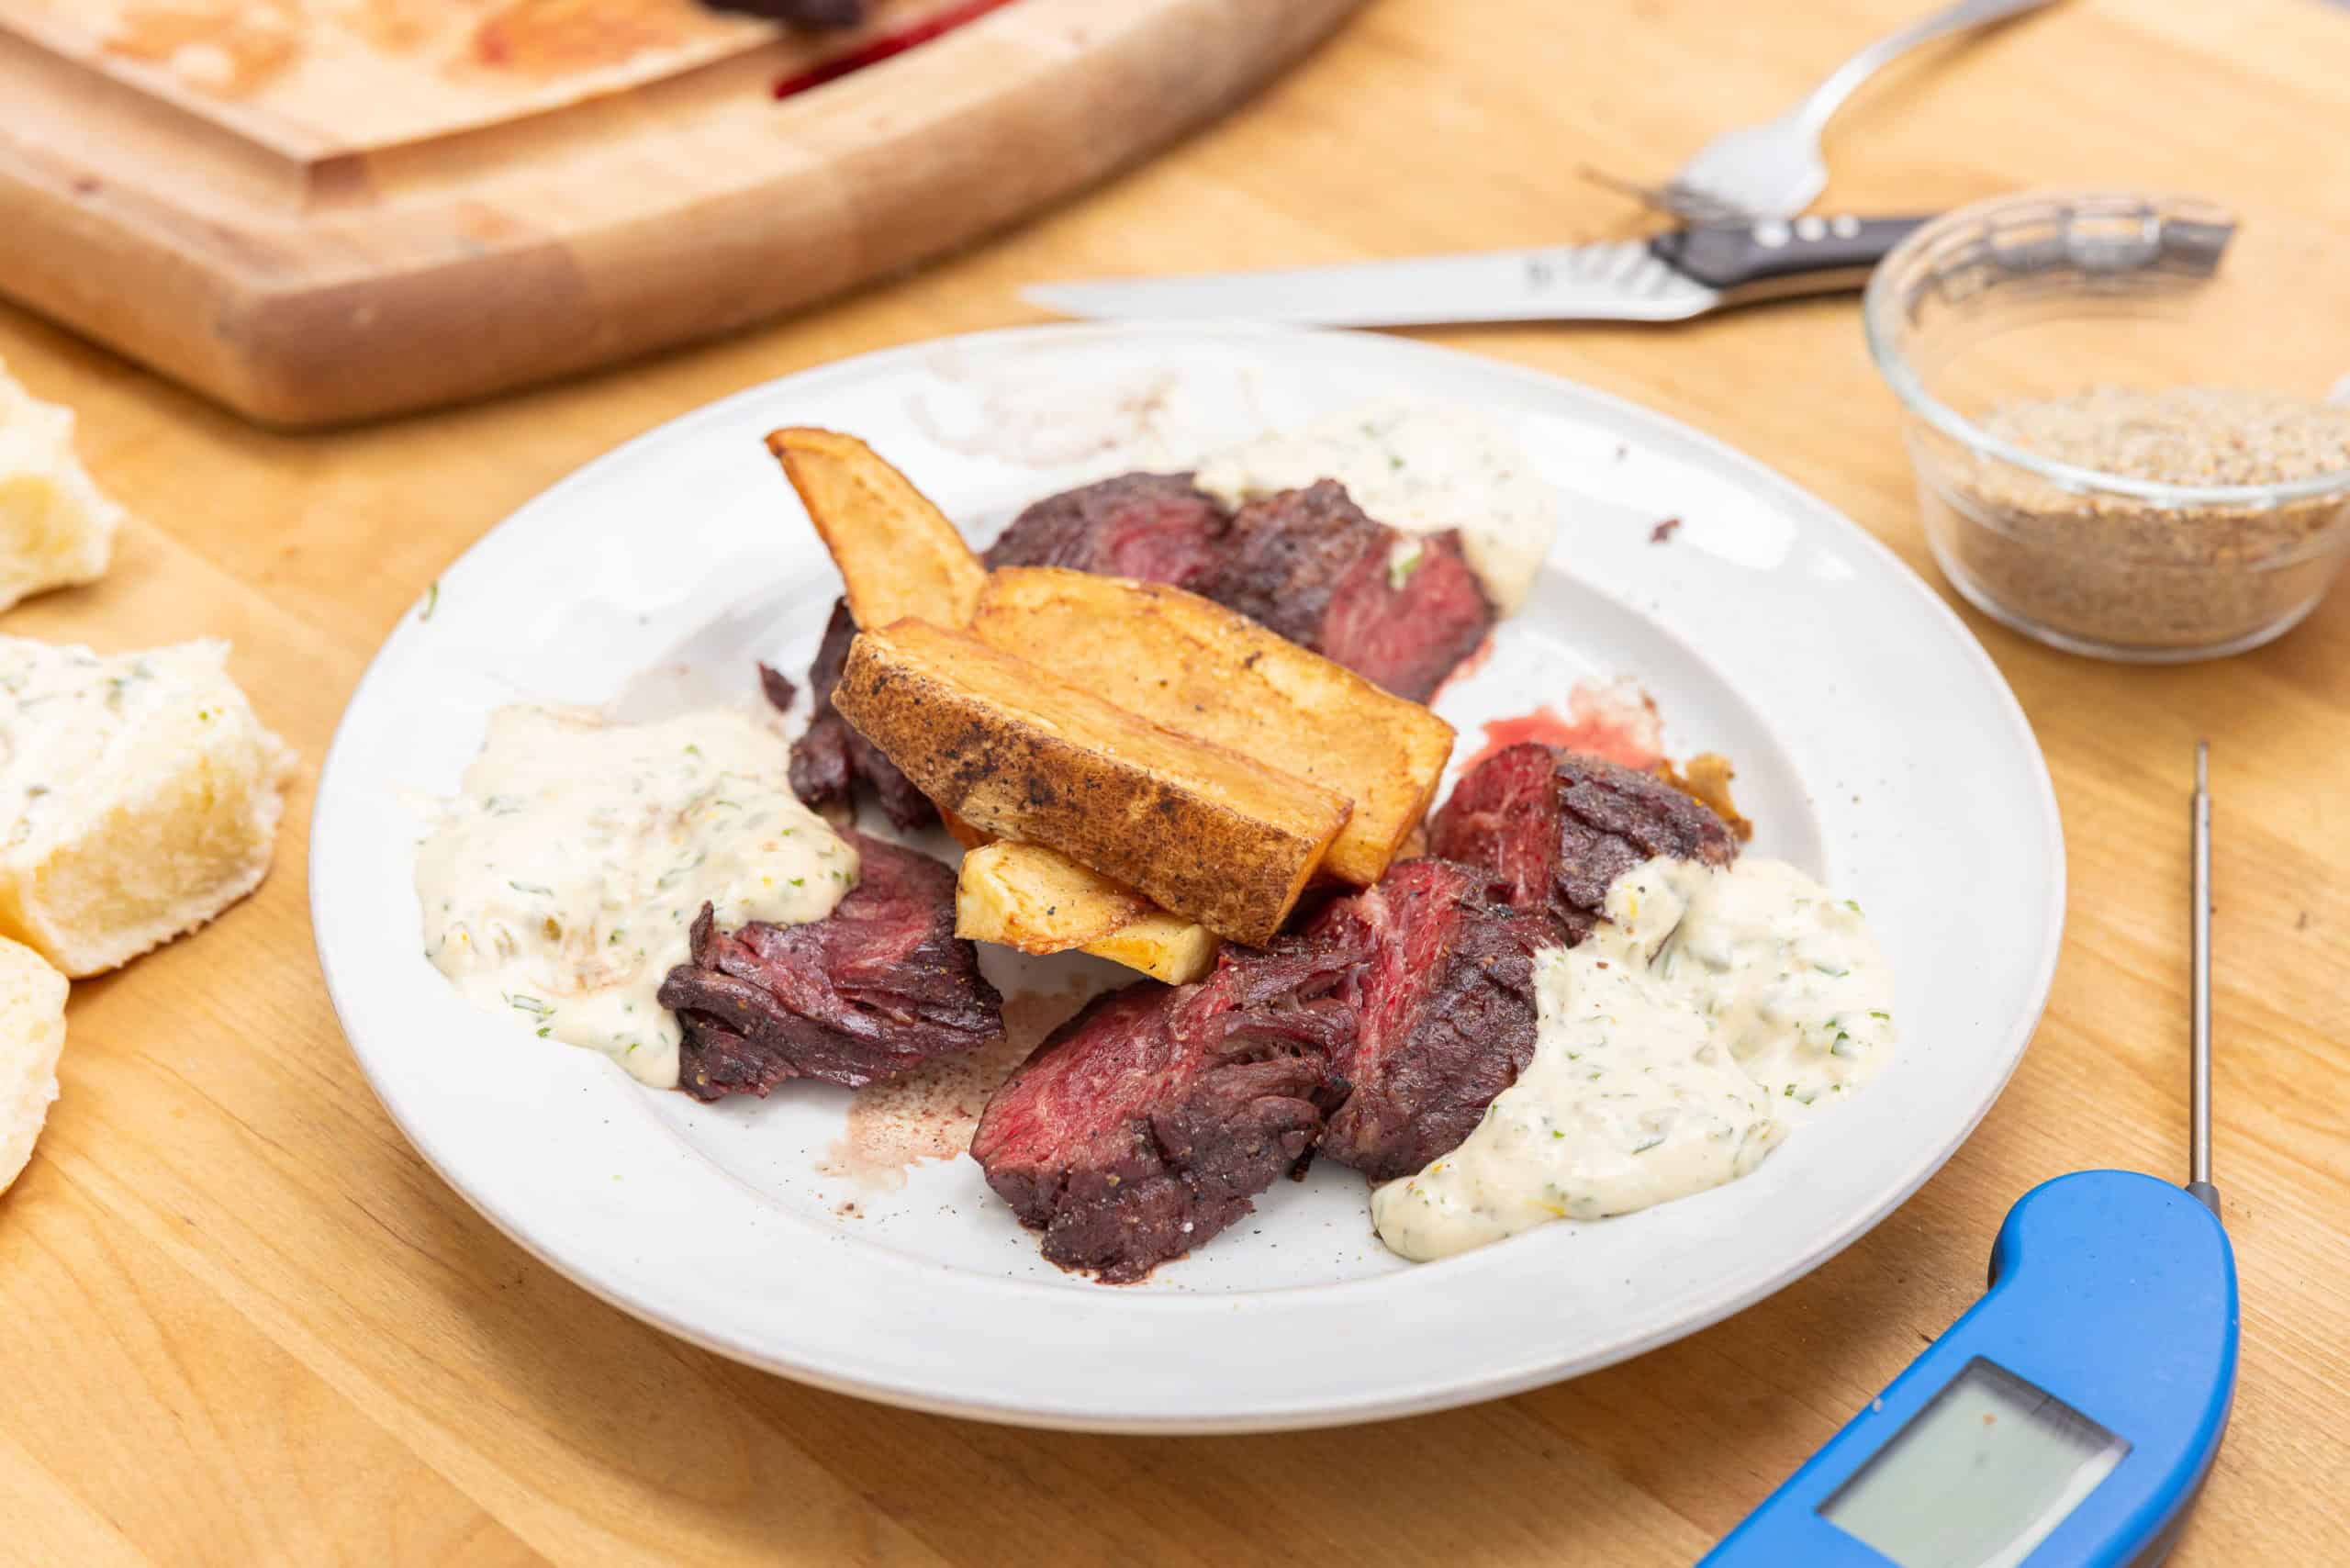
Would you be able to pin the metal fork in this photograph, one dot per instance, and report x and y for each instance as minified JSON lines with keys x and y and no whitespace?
{"x":1773,"y":170}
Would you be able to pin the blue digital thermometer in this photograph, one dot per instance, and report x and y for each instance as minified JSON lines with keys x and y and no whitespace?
{"x":2069,"y":1418}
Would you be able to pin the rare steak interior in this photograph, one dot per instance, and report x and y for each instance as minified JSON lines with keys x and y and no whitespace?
{"x":1554,"y":827}
{"x":1441,"y":994}
{"x":1400,"y":610}
{"x":1149,"y":1122}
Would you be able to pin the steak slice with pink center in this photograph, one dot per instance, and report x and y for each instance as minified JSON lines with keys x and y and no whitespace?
{"x":1151,"y":1120}
{"x":1444,"y":1013}
{"x":1554,"y":828}
{"x":1399,"y":609}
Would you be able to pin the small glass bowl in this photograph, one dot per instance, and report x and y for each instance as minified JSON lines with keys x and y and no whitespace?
{"x":2038,"y":298}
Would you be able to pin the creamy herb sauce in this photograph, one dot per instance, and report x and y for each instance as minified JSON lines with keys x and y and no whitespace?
{"x":1419,"y":469}
{"x":1677,"y":1045}
{"x":558,"y":888}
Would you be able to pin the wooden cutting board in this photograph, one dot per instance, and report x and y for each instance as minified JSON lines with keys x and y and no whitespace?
{"x":323,"y":210}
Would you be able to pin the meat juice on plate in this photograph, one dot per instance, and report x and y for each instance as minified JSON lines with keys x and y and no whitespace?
{"x":1679,"y":1041}
{"x":559,"y":887}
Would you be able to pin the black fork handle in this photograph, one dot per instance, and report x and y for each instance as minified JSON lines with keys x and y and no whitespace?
{"x":1783,"y":256}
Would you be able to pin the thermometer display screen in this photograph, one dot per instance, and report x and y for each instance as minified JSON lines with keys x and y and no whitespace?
{"x":1979,"y":1477}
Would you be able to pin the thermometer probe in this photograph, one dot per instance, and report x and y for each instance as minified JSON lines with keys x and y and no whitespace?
{"x":2068,"y":1419}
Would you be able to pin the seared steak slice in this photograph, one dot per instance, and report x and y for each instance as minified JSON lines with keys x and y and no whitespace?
{"x":1399,"y":609}
{"x":830,"y":759}
{"x":1442,"y":994}
{"x":1149,"y":1122}
{"x":1554,"y":827}
{"x":1157,"y":527}
{"x":880,"y":985}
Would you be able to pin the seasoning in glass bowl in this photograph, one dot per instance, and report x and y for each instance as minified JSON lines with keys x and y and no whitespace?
{"x":2132,"y":570}
{"x":2184,"y":435}
{"x":2099,"y":397}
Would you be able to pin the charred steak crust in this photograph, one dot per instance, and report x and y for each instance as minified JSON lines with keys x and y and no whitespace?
{"x":1442,"y":996}
{"x":830,"y":759}
{"x":1151,"y":1120}
{"x":1553,"y":828}
{"x":1287,"y":554}
{"x":1159,"y":527}
{"x":1311,"y":565}
{"x":880,"y":985}
{"x":777,"y":687}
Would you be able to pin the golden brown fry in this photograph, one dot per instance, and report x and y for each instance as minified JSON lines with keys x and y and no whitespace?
{"x":1162,"y":945}
{"x":1206,"y":833}
{"x":897,"y":552}
{"x":1039,"y":900}
{"x":1194,"y":667}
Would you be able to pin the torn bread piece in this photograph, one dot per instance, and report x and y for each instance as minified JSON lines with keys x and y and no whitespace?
{"x":56,"y":528}
{"x":32,"y":1035}
{"x":142,"y":797}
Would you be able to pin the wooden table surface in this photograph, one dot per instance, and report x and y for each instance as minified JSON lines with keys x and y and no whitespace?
{"x":241,"y":1322}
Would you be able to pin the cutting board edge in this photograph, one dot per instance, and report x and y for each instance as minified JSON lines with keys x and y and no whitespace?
{"x":278,"y":351}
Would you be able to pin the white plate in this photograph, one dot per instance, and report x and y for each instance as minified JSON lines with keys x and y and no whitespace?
{"x":1876,"y":746}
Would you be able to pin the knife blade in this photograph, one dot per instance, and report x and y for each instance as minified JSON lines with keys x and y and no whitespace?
{"x":1671,"y":277}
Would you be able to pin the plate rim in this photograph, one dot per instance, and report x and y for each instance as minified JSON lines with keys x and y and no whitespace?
{"x":1409,"y":1397}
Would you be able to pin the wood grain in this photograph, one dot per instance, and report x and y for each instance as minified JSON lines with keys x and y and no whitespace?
{"x":244,"y":1322}
{"x":340,"y":229}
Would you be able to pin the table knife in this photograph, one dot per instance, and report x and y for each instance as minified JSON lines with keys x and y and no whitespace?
{"x":1670,"y":277}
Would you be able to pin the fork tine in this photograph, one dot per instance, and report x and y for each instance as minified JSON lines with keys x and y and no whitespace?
{"x":1618,"y":184}
{"x":1654,"y":198}
{"x":1674,"y":198}
{"x":1697,"y":205}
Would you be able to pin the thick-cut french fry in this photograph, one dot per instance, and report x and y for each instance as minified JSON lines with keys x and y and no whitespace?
{"x":1163,"y":946}
{"x":1204,"y":832}
{"x":1194,"y":667}
{"x":1039,"y":900}
{"x":897,"y":552}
